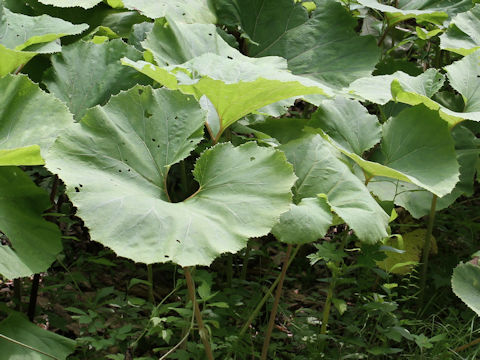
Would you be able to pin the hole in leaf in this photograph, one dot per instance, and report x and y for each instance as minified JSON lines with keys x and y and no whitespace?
{"x":209,"y":34}
{"x":119,"y":170}
{"x":166,"y":256}
{"x":252,"y":158}
{"x":147,"y":114}
{"x":80,"y":185}
{"x":231,"y":58}
{"x":140,"y":91}
{"x":154,"y":140}
{"x":178,"y":241}
{"x":128,"y":170}
{"x":77,"y":189}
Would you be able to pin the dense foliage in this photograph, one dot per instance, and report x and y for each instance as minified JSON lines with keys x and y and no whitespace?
{"x":191,"y":179}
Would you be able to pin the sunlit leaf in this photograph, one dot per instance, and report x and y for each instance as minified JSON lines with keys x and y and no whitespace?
{"x":30,"y":120}
{"x":321,"y":173}
{"x":348,"y":123}
{"x":463,"y":34}
{"x":22,"y":37}
{"x":235,"y":84}
{"x":115,"y":164}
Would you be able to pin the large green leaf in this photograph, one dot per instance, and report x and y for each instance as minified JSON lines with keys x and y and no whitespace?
{"x":466,"y":285}
{"x":85,"y":74}
{"x":86,"y":4}
{"x":463,"y":34}
{"x":188,"y":11}
{"x":348,"y":123}
{"x":377,"y":89}
{"x":320,"y":172}
{"x":462,"y":74}
{"x":304,"y":223}
{"x":18,"y":328}
{"x":425,"y":157}
{"x":22,"y":37}
{"x":236,"y":85}
{"x":322,"y":46}
{"x":417,"y":200}
{"x":434,"y":11}
{"x":115,"y":164}
{"x":29,"y":121}
{"x":34,"y":241}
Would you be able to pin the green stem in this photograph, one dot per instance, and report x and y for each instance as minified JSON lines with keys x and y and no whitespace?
{"x":426,"y":249}
{"x":330,"y":292}
{"x":273,"y":313}
{"x":151,"y":298}
{"x":269,"y":292}
{"x":326,"y":313}
{"x":262,"y":302}
{"x":384,"y":35}
{"x":243,"y":275}
{"x":26,"y":346}
{"x":198,"y":315}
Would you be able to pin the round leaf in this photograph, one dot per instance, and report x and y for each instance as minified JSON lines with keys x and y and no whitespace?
{"x":115,"y":164}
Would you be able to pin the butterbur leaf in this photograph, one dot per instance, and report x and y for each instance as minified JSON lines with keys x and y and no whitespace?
{"x":86,"y":4}
{"x":22,"y":37}
{"x":422,"y":11}
{"x":348,"y":123}
{"x":187,"y":11}
{"x":29,"y":121}
{"x":417,"y":200}
{"x":115,"y":164}
{"x":31,"y":243}
{"x":463,"y":76}
{"x":404,"y":153}
{"x":85,"y":74}
{"x":466,"y":285}
{"x":309,"y":43}
{"x":378,"y":89}
{"x":320,"y":171}
{"x":303,"y":223}
{"x":236,"y":85}
{"x":18,"y":328}
{"x":463,"y":34}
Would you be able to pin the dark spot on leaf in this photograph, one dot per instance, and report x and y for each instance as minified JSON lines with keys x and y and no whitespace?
{"x":158,"y":146}
{"x":140,"y":91}
{"x":128,"y":170}
{"x":231,"y":58}
{"x":252,"y":158}
{"x":183,"y":14}
{"x":176,"y":117}
{"x":77,"y":189}
{"x":119,"y":170}
{"x":147,"y":114}
{"x":154,"y":140}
